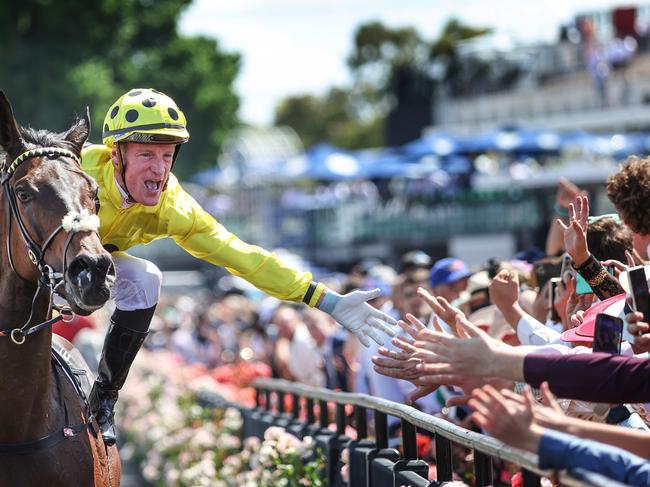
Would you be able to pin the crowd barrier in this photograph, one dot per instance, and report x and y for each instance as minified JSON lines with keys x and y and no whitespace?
{"x":371,"y":462}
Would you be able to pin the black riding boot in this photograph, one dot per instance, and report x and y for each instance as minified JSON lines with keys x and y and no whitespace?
{"x":120,"y":348}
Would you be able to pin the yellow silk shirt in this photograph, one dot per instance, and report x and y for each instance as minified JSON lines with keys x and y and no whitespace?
{"x":179,"y":216}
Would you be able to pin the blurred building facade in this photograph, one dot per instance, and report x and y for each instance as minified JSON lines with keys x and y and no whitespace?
{"x":596,"y":77}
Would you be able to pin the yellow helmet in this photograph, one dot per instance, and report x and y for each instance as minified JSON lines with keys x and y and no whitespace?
{"x":145,"y":115}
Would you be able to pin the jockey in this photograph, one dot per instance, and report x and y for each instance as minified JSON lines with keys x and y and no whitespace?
{"x":140,"y":200}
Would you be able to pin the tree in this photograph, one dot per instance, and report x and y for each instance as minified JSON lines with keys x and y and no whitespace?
{"x":393,"y":79}
{"x":456,"y":73}
{"x":328,"y":119}
{"x":59,"y":56}
{"x":379,"y":51}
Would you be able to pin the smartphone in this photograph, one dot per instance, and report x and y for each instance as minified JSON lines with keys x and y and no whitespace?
{"x":639,"y":291}
{"x":608,"y":333}
{"x":583,"y":287}
{"x":544,"y":271}
{"x":552,"y":286}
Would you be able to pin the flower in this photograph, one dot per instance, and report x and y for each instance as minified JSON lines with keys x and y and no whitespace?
{"x":183,"y":443}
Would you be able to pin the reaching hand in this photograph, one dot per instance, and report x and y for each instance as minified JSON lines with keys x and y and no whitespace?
{"x":441,"y":307}
{"x":508,"y":420}
{"x":575,"y":234}
{"x":640,"y":330}
{"x":401,"y":364}
{"x":567,"y":192}
{"x":354,"y":313}
{"x":551,"y":414}
{"x":619,"y":267}
{"x":576,"y":302}
{"x":445,"y":354}
{"x":577,"y":319}
{"x":504,"y":290}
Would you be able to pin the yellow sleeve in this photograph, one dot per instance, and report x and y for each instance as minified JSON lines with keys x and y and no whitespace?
{"x":202,"y":236}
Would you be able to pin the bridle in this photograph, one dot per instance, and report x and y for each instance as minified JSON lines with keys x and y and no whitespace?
{"x":49,"y":279}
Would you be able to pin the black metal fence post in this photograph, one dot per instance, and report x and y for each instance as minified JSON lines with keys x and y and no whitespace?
{"x":383,"y":459}
{"x":297,"y":427}
{"x":444,"y":460}
{"x":530,"y":479}
{"x":361,"y":422}
{"x":482,"y":469}
{"x":381,"y":429}
{"x":408,"y":469}
{"x":409,"y":442}
{"x":360,"y":449}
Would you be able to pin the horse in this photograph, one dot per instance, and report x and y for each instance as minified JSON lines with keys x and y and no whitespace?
{"x":50,"y":244}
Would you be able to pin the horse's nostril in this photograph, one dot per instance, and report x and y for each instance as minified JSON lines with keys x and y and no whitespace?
{"x":78,"y":266}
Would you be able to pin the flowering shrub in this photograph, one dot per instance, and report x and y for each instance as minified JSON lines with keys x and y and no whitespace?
{"x":280,"y":459}
{"x":181,"y":443}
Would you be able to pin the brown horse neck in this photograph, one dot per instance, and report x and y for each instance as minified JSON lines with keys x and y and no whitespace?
{"x":25,"y":370}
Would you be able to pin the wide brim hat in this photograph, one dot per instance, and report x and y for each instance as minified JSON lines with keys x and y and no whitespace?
{"x":614,"y":306}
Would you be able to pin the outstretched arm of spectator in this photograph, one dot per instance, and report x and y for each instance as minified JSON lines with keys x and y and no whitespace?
{"x":512,"y":422}
{"x":478,"y":355}
{"x":566,"y":193}
{"x":504,"y":293}
{"x":602,"y":377}
{"x":602,"y":283}
{"x":551,"y":416}
{"x":597,"y":377}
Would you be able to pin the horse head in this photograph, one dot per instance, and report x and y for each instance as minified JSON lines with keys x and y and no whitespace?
{"x":50,"y":207}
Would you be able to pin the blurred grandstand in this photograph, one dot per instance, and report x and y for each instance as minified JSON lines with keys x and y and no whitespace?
{"x":479,"y":182}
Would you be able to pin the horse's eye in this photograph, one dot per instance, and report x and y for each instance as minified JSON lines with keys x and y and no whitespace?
{"x":23,"y":195}
{"x":97,"y":201}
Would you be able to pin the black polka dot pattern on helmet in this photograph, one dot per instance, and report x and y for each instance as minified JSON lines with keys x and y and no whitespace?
{"x":114,"y":111}
{"x":148,"y":102}
{"x":157,"y":92}
{"x":135,"y":93}
{"x":106,"y":127}
{"x":131,"y":115}
{"x":172,"y":113}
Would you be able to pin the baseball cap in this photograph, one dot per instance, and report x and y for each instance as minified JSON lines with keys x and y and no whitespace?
{"x":447,"y":271}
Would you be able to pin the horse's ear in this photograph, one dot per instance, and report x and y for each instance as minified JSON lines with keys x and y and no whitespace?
{"x":79,"y":132}
{"x":10,"y":138}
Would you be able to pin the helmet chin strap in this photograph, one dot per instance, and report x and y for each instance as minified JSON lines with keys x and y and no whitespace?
{"x":122,"y":165}
{"x":177,"y":149}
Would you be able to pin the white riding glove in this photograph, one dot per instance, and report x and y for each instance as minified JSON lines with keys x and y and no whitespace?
{"x":354,"y":313}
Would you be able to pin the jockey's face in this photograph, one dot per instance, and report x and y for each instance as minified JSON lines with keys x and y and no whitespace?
{"x":147,"y":170}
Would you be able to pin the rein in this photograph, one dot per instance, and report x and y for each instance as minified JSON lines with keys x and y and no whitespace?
{"x":49,"y":279}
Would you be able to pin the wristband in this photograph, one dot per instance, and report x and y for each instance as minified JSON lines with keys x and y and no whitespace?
{"x":560,"y":211}
{"x":329,"y":301}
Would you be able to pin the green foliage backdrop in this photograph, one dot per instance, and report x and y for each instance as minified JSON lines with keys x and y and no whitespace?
{"x":59,"y":56}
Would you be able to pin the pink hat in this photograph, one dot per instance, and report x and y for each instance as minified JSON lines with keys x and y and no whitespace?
{"x":613,"y":306}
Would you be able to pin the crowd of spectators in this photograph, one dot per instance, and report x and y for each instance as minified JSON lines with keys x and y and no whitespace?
{"x":482,"y":333}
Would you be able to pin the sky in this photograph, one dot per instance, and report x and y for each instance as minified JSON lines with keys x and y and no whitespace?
{"x":293,"y":47}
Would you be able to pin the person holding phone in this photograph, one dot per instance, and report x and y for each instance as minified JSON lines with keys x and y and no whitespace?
{"x":608,"y":333}
{"x":635,"y":282}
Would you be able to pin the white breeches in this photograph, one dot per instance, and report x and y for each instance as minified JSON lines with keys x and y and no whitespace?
{"x":137,"y":282}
